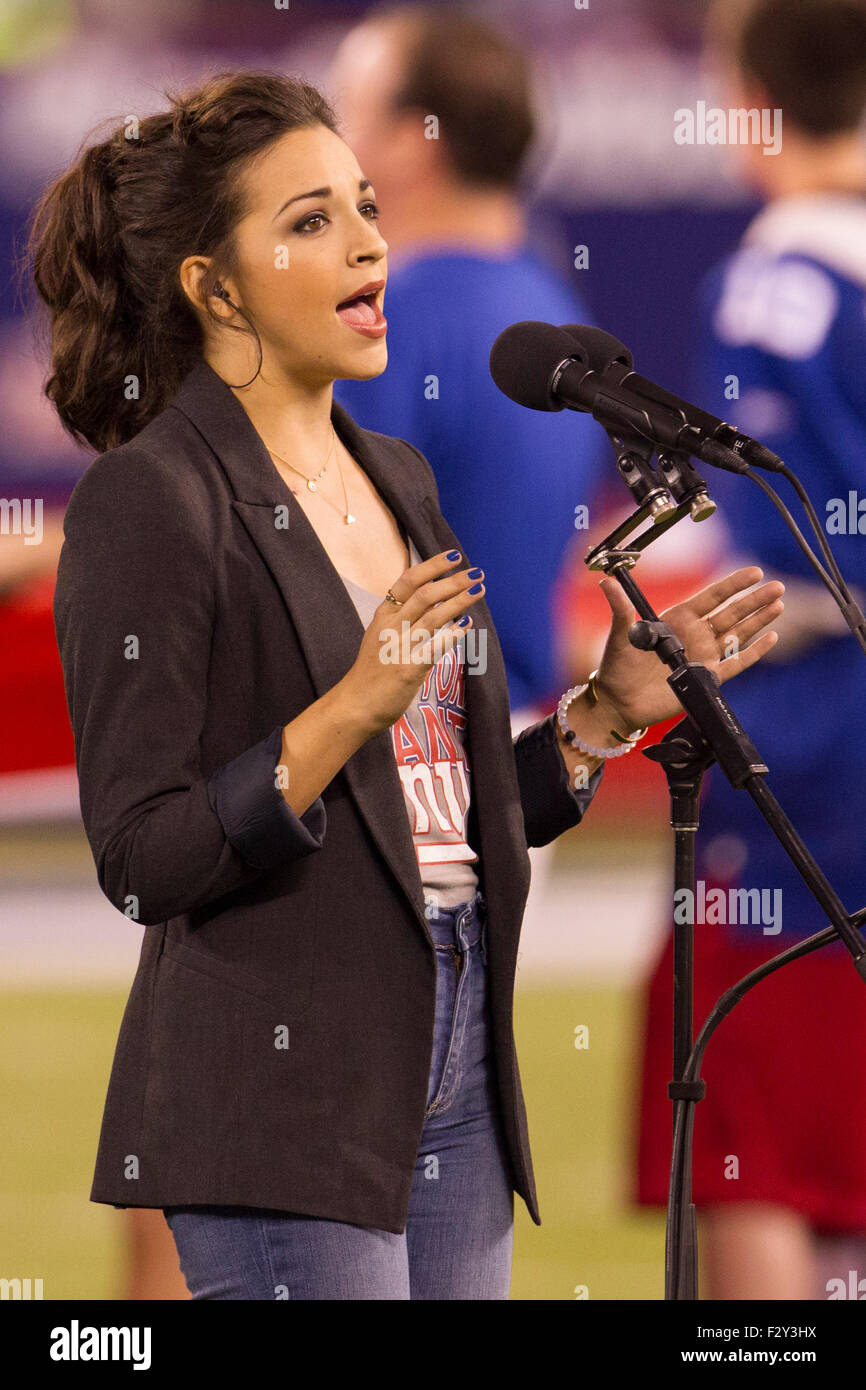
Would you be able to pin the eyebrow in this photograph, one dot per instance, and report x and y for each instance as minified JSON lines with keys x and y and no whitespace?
{"x":363,"y":184}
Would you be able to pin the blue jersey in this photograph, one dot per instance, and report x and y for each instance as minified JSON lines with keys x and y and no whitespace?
{"x":509,"y":478}
{"x":784,"y":321}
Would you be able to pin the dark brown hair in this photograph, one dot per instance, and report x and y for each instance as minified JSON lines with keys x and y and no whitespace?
{"x":810,"y":58}
{"x":107,"y":240}
{"x":476,"y":81}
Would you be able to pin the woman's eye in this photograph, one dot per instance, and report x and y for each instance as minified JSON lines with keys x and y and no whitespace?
{"x":305,"y":222}
{"x":315,"y":220}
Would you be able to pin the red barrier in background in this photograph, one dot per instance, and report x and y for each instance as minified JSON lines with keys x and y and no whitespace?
{"x":36,"y":732}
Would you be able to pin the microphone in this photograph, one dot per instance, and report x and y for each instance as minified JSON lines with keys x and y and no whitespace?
{"x":548,"y":368}
{"x":602,"y":350}
{"x":541,"y":344}
{"x":606,"y":354}
{"x":685,"y":484}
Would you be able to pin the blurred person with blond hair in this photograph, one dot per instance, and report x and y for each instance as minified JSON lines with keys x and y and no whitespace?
{"x":780,"y":1179}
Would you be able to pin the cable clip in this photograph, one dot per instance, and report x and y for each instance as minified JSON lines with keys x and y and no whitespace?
{"x":687,"y":1090}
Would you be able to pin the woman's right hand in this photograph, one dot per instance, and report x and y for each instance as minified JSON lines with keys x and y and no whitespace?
{"x":402,"y":644}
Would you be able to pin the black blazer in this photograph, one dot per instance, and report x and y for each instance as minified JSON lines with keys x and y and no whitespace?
{"x":276,"y":1045}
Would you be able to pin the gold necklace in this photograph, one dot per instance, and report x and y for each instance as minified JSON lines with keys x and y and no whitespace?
{"x":312,"y":482}
{"x":347,"y":516}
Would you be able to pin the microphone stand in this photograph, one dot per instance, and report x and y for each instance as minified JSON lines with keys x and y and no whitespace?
{"x":710,"y":733}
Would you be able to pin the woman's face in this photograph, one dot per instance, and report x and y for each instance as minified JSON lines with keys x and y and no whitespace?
{"x":309,"y":242}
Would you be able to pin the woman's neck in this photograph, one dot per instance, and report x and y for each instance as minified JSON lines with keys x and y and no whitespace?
{"x":292,"y":419}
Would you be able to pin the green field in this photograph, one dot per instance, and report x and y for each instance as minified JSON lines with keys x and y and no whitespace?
{"x":55,"y":1059}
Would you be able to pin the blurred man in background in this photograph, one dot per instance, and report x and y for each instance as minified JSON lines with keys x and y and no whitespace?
{"x":780,"y":1141}
{"x":437,"y":107}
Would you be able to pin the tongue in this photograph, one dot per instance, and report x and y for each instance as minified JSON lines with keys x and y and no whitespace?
{"x":358,"y":312}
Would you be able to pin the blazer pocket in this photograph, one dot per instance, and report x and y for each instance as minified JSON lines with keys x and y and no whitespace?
{"x":276,"y":930}
{"x":293,"y":999}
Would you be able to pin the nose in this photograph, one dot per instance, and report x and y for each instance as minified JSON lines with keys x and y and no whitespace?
{"x":371,"y":245}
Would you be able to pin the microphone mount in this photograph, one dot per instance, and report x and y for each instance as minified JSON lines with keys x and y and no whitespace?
{"x":634,"y":462}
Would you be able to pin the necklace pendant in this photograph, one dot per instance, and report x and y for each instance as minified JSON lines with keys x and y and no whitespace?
{"x":311,"y":484}
{"x":349,"y":518}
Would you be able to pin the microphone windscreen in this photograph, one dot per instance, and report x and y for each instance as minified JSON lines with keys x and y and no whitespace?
{"x":524,"y":358}
{"x":601,"y":349}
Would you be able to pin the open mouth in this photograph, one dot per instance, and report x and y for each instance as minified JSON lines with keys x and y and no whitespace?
{"x":363,"y":311}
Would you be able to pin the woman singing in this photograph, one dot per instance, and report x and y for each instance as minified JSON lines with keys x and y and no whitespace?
{"x":296,"y":769}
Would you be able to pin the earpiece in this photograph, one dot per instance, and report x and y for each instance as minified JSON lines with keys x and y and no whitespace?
{"x":220,"y":293}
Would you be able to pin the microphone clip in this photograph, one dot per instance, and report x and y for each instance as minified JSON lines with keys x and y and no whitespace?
{"x":649,"y":489}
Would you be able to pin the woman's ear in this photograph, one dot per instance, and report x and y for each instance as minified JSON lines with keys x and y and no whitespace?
{"x":193,"y":272}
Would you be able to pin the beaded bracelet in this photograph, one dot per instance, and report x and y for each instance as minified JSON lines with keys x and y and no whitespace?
{"x":626,"y":742}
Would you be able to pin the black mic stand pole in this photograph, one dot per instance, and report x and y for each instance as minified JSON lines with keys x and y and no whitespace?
{"x":684,"y":756}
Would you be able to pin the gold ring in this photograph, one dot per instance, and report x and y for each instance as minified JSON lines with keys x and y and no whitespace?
{"x":391,"y":599}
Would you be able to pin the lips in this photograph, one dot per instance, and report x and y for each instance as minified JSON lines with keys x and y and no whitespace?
{"x":362,"y":312}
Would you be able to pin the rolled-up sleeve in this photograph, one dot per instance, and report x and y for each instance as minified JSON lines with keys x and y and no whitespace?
{"x":255,"y":815}
{"x":134,"y":612}
{"x":550,"y":804}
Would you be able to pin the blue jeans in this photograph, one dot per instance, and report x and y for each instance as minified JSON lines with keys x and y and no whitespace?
{"x":458,"y":1238}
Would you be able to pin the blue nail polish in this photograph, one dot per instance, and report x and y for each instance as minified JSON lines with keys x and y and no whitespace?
{"x":475,"y":574}
{"x":453,"y":555}
{"x":463,"y":622}
{"x":476,"y":589}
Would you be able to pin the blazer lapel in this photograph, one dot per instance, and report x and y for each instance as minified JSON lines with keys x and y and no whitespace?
{"x":324,"y":616}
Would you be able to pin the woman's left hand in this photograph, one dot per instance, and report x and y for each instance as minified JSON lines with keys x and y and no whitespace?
{"x":716,"y":628}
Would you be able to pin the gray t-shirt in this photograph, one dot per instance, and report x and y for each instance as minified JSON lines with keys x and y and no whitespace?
{"x":428,"y":743}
